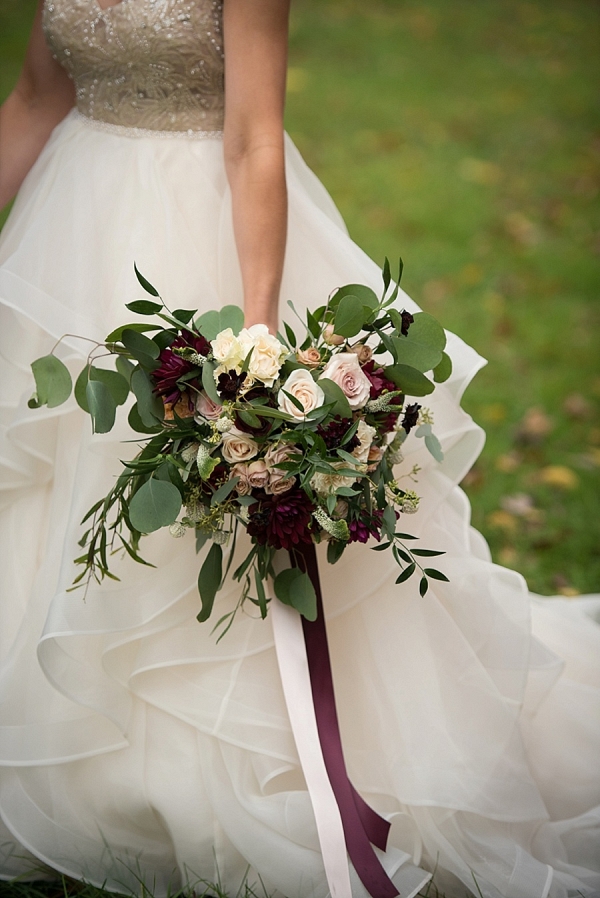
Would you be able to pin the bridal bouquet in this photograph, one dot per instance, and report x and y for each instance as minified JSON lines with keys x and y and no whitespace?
{"x":293,"y":438}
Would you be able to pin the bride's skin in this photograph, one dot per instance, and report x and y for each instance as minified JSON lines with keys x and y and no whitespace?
{"x":255,"y":35}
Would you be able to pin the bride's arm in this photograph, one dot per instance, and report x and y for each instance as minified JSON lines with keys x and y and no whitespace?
{"x":255,"y":34}
{"x":42,"y":97}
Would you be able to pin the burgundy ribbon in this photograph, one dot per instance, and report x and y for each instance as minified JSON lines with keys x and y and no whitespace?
{"x":362,"y":825}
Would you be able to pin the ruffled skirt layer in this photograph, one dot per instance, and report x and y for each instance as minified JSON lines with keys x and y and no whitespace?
{"x":133,"y":745}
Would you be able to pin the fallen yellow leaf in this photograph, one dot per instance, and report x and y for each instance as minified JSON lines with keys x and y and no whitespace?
{"x":561,"y":477}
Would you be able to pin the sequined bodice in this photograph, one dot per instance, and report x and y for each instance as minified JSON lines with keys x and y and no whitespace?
{"x":153,"y":64}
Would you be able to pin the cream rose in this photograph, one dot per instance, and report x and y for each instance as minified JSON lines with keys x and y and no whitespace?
{"x":206,"y":408}
{"x":343,"y":368}
{"x":267,"y":356}
{"x":227,"y":350}
{"x":310,"y":357}
{"x":238,"y":446}
{"x":365,"y":434}
{"x":329,"y":483}
{"x":302,"y":387}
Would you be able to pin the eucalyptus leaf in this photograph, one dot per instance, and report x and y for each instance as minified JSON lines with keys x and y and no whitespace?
{"x":409,"y":380}
{"x":366,"y":296}
{"x":221,"y":494}
{"x":434,"y":446}
{"x":443,"y":370}
{"x":125,"y":367}
{"x":349,"y":317}
{"x":209,"y":580}
{"x":52,"y":381}
{"x":233,"y":317}
{"x":117,"y":385}
{"x":303,"y":597}
{"x":136,"y":423}
{"x":209,"y":324}
{"x":142,"y":348}
{"x":150,"y":406}
{"x":102,"y":406}
{"x":208,"y":382}
{"x":156,"y":504}
{"x":417,"y":355}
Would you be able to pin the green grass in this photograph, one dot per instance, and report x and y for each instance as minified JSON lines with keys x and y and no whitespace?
{"x":464,"y":137}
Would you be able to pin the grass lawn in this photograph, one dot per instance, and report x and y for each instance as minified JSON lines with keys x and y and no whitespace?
{"x":465,"y":137}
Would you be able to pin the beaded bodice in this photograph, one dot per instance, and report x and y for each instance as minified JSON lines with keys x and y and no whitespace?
{"x":152,"y":64}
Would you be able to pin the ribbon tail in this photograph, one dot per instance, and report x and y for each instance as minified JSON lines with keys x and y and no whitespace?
{"x":360,"y":822}
{"x":295,"y":679}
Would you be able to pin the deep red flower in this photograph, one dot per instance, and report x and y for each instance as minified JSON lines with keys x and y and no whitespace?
{"x":172,"y":366}
{"x":411,"y":416}
{"x":366,"y":525}
{"x":379,"y":381}
{"x":230,"y":383}
{"x":334,"y":432}
{"x":281,"y":521}
{"x":407,"y":320}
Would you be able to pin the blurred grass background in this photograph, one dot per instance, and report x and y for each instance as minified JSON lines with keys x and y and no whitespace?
{"x":465,"y":137}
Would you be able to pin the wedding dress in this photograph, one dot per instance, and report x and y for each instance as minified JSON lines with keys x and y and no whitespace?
{"x":133,"y":746}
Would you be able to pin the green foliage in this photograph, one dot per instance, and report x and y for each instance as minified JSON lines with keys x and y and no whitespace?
{"x":156,"y":504}
{"x":212,"y":322}
{"x":293,"y":587}
{"x":52,"y":381}
{"x":209,"y":580}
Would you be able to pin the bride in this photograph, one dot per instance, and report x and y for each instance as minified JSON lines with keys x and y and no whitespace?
{"x":132,"y":746}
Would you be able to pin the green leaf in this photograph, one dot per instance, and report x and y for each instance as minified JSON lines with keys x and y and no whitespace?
{"x":437,"y":575}
{"x":221,"y":494}
{"x":292,"y":587}
{"x":209,"y":324}
{"x":290,"y":335}
{"x":423,"y":586}
{"x":156,"y":504}
{"x":260,"y":591}
{"x":125,"y":367}
{"x":387,"y":275}
{"x":144,"y":350}
{"x":52,"y":381}
{"x":102,"y":406}
{"x":144,"y":307}
{"x":418,"y":356}
{"x":335,"y":549}
{"x":233,"y":317}
{"x":388,"y":522}
{"x":116,"y":335}
{"x":145,"y":284}
{"x":136,"y":423}
{"x":406,"y":573}
{"x":249,"y":418}
{"x":313,"y":325}
{"x":335,"y":395}
{"x":443,"y":370}
{"x":409,"y":380}
{"x":208,"y":382}
{"x":209,"y":580}
{"x":426,"y":553}
{"x":150,"y":406}
{"x":184,"y":315}
{"x":117,"y":385}
{"x":349,"y":317}
{"x":366,"y":296}
{"x":434,"y":446}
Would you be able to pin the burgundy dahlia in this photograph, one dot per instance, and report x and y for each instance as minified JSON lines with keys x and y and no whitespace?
{"x":172,"y":366}
{"x":364,"y":526}
{"x":379,"y":381}
{"x":281,"y":521}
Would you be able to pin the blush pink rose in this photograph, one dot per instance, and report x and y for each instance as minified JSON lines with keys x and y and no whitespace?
{"x":206,"y":408}
{"x":343,"y":368}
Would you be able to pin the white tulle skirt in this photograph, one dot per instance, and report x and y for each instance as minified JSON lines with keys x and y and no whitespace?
{"x":135,"y":747}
